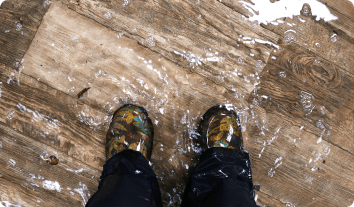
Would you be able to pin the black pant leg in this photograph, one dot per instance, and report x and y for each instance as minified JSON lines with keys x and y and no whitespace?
{"x":127,"y":180}
{"x":222,"y":178}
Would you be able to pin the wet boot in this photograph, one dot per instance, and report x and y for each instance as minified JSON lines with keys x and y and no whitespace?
{"x":131,"y":128}
{"x":221,"y":127}
{"x":127,"y":178}
{"x":223,"y":175}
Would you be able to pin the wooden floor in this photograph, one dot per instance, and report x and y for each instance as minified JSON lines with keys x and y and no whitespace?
{"x":66,"y":66}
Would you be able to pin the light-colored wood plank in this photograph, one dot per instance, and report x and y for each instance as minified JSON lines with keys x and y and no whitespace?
{"x":107,"y":47}
{"x":302,"y":133}
{"x":312,"y":90}
{"x":19,"y":23}
{"x":72,"y":52}
{"x":344,"y":9}
{"x":319,"y":39}
{"x":28,"y":180}
{"x":196,"y":28}
{"x":302,"y":173}
{"x":265,"y":200}
{"x":328,"y":41}
{"x":51,"y":117}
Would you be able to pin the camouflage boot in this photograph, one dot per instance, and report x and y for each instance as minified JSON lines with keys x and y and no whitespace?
{"x":221,"y":127}
{"x":131,"y":128}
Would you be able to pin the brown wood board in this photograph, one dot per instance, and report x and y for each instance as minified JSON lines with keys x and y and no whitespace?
{"x":306,"y":129}
{"x":50,"y":117}
{"x":70,"y":57}
{"x":88,"y":58}
{"x":19,"y":21}
{"x":328,"y":39}
{"x":28,"y":180}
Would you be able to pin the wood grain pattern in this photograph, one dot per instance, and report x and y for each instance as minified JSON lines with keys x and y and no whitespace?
{"x":19,"y":23}
{"x":345,"y":12}
{"x":28,"y":180}
{"x":177,"y":59}
{"x":50,"y":117}
{"x":309,"y":88}
{"x":307,"y":102}
{"x":265,"y":200}
{"x":70,"y":57}
{"x":328,"y":41}
{"x":185,"y":26}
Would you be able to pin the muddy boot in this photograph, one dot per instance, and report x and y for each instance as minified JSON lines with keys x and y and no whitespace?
{"x":221,"y":127}
{"x":131,"y":128}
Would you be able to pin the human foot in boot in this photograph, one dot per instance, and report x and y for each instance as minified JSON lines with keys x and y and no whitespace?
{"x":221,"y":127}
{"x":131,"y":128}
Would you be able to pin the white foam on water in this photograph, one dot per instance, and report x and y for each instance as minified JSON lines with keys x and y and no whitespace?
{"x":6,"y":203}
{"x":51,"y":185}
{"x":270,"y":12}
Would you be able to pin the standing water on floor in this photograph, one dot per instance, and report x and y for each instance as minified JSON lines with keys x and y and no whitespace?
{"x":270,"y":88}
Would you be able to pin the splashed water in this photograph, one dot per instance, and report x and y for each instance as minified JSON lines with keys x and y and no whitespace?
{"x":126,"y":2}
{"x":290,"y":37}
{"x":191,"y":58}
{"x":52,"y":185}
{"x":282,"y":74}
{"x":334,"y":38}
{"x":47,"y":3}
{"x":266,"y":12}
{"x":240,"y":60}
{"x":7,"y":203}
{"x":83,"y":191}
{"x":135,"y":87}
{"x":306,"y":100}
{"x":12,"y":162}
{"x":76,"y":171}
{"x":108,"y":15}
{"x":90,"y":118}
{"x":289,"y":205}
{"x":10,"y":114}
{"x":150,"y":41}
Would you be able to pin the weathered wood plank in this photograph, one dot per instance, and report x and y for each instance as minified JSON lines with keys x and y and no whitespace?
{"x":265,"y":200}
{"x":344,"y":9}
{"x":324,"y":41}
{"x":329,"y":40}
{"x":19,"y":23}
{"x":27,"y":179}
{"x":188,"y":29}
{"x":71,"y":57}
{"x":299,"y":172}
{"x":311,"y":89}
{"x":138,"y":58}
{"x":303,"y":130}
{"x":51,"y":117}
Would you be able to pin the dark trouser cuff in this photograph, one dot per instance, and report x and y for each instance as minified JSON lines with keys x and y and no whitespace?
{"x":127,"y":180}
{"x":222,"y":177}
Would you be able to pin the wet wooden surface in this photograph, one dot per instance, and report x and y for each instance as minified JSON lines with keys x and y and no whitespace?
{"x":85,"y":59}
{"x":19,"y":23}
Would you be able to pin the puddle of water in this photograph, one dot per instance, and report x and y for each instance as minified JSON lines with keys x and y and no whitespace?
{"x":136,"y":88}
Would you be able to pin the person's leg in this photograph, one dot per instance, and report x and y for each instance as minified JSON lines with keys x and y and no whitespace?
{"x":127,"y":178}
{"x":221,"y":178}
{"x":223,"y":175}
